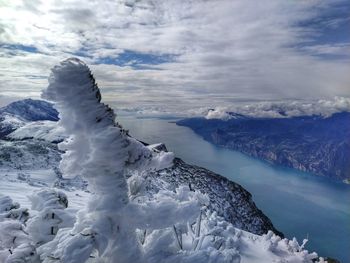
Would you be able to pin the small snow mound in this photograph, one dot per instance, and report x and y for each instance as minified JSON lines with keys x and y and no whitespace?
{"x":51,"y":216}
{"x":11,"y":210}
{"x":6,"y":204}
{"x":49,"y":198}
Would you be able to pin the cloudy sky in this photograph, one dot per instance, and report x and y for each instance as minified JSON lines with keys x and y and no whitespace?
{"x":174,"y":54}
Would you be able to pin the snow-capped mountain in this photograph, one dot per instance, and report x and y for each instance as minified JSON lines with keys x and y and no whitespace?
{"x":18,"y":113}
{"x":102,"y":196}
{"x":31,"y":110}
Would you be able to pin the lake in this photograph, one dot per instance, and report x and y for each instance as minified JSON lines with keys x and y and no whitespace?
{"x":299,"y":204}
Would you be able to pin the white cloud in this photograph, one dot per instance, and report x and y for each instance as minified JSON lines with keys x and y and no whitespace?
{"x":226,"y":50}
{"x":282,"y":109}
{"x":218,"y":113}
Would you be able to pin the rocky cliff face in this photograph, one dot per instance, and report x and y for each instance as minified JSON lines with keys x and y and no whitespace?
{"x":311,"y":143}
{"x":228,"y":199}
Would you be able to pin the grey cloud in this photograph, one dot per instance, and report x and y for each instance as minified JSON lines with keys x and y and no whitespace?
{"x":76,"y":18}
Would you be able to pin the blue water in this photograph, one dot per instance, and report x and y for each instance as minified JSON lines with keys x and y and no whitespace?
{"x":299,"y":204}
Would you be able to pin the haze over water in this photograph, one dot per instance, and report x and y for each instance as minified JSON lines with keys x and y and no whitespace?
{"x":299,"y":204}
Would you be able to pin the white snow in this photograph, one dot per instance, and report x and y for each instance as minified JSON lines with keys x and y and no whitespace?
{"x":250,"y":248}
{"x":51,"y":215}
{"x":20,"y":184}
{"x":12,"y":120}
{"x":42,"y":130}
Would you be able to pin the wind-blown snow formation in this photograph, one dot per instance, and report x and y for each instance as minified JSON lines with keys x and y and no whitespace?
{"x":122,"y":222}
{"x":100,"y":151}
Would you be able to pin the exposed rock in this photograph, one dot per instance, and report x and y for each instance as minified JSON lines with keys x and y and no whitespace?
{"x":228,"y":199}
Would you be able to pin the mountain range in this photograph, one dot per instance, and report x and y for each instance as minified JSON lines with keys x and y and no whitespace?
{"x":315,"y":144}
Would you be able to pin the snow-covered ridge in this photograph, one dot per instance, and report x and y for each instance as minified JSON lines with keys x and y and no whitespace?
{"x":123,"y":220}
{"x":41,"y":130}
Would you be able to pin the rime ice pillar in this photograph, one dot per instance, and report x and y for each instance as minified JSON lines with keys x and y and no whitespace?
{"x":97,"y":150}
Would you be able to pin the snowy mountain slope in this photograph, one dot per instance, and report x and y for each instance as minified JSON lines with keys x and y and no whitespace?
{"x":9,"y":123}
{"x":251,"y":248}
{"x":19,"y":113}
{"x":227,"y":198}
{"x":41,"y":130}
{"x":31,"y":110}
{"x":28,"y":154}
{"x":19,"y":184}
{"x":148,"y":218}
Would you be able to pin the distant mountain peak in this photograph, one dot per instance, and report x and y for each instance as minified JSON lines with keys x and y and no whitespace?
{"x":31,"y":110}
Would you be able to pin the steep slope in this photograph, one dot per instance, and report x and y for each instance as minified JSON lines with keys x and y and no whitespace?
{"x":228,"y":199}
{"x":320,"y":145}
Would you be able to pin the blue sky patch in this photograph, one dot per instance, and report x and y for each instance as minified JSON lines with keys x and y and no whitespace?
{"x":137,"y":60}
{"x":332,"y":24}
{"x":30,"y":49}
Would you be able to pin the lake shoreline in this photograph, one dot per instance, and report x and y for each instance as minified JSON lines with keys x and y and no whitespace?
{"x":298,"y":203}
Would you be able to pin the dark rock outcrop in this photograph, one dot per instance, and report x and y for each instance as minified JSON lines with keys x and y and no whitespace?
{"x":228,"y":199}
